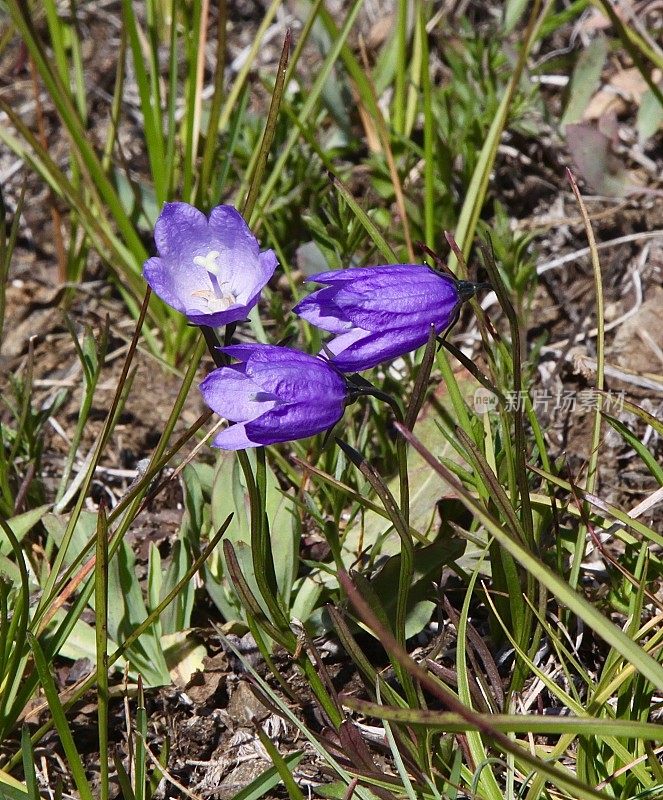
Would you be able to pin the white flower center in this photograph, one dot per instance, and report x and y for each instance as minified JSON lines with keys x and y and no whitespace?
{"x":220,"y":297}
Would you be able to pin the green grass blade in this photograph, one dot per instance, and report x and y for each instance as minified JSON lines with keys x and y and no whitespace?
{"x":244,"y":72}
{"x":608,"y":509}
{"x":69,"y":115}
{"x":560,"y":776}
{"x":476,"y":191}
{"x":60,"y":721}
{"x":29,"y":761}
{"x":215,"y":106}
{"x":308,"y":106}
{"x":101,"y":637}
{"x":140,"y":761}
{"x":637,"y":46}
{"x":378,"y":239}
{"x":270,"y":129}
{"x":137,"y":632}
{"x":570,"y":598}
{"x":268,"y":779}
{"x":17,"y":633}
{"x":123,"y":779}
{"x":487,"y":781}
{"x":632,"y":440}
{"x":122,"y":387}
{"x":149,"y":103}
{"x":593,"y":463}
{"x":171,"y":106}
{"x":194,"y":45}
{"x":537,"y":724}
{"x":398,"y":104}
{"x":7,"y":244}
{"x":429,"y":134}
{"x":294,"y":792}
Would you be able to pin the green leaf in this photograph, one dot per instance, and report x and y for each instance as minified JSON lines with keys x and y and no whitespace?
{"x":184,"y":655}
{"x":126,"y":611}
{"x":294,"y":792}
{"x":21,"y":524}
{"x":376,"y":531}
{"x":12,"y":789}
{"x":585,"y":79}
{"x":268,"y":779}
{"x":28,"y":766}
{"x":650,"y":116}
{"x":230,"y":495}
{"x":632,"y":440}
{"x":138,"y":200}
{"x":541,"y":724}
{"x":428,"y":563}
{"x":126,"y":604}
{"x":81,"y":642}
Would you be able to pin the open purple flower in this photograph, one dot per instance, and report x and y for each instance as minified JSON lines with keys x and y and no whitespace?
{"x":211,"y":270}
{"x":274,"y":394}
{"x":379,"y":313}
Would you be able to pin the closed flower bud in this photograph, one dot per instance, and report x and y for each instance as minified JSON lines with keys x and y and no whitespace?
{"x":379,"y":313}
{"x":275,"y":394}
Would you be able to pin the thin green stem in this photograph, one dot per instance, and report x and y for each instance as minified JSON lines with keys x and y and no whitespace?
{"x":270,"y":129}
{"x":101,"y":630}
{"x":592,"y":468}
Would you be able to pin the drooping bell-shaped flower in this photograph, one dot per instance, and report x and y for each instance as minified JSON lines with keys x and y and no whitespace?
{"x":275,"y":394}
{"x":379,"y":313}
{"x":209,"y":269}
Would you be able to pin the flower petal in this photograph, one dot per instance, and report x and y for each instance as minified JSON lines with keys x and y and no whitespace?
{"x":235,"y":437}
{"x":209,"y":270}
{"x":320,"y":310}
{"x":352,"y":354}
{"x":294,"y":421}
{"x":340,"y":343}
{"x":179,"y":229}
{"x":398,"y":298}
{"x":311,"y":392}
{"x":351,"y":273}
{"x":240,"y":264}
{"x":234,"y":313}
{"x":268,"y":263}
{"x":291,"y":375}
{"x":377,"y":298}
{"x":175,"y":286}
{"x":230,"y":228}
{"x":232,"y":394}
{"x":271,"y":354}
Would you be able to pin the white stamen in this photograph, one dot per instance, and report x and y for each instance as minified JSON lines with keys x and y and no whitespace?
{"x":210,"y":261}
{"x":213,"y":302}
{"x":211,"y":297}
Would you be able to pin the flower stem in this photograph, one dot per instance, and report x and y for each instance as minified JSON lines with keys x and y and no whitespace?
{"x":213,"y":344}
{"x":359,"y":386}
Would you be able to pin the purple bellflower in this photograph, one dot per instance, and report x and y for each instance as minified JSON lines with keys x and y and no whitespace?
{"x":382,"y":312}
{"x":209,"y":269}
{"x":274,"y":394}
